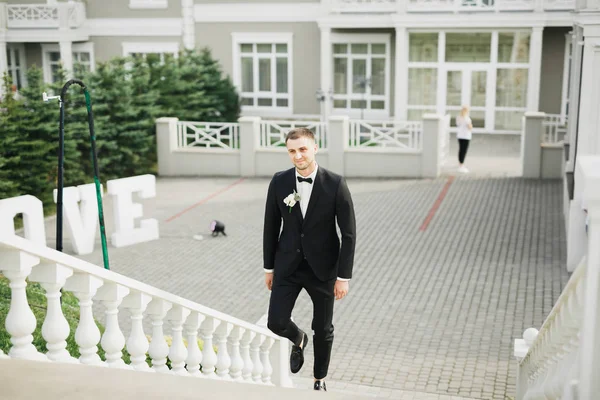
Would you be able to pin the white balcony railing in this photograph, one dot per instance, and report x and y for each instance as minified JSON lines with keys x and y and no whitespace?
{"x":232,"y":349}
{"x":561,"y":360}
{"x":208,"y":135}
{"x":555,"y":128}
{"x":273,"y":133}
{"x":393,"y":6}
{"x":36,"y":16}
{"x":401,"y":135}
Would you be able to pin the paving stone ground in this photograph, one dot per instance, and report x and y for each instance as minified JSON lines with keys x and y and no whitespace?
{"x":433,"y":311}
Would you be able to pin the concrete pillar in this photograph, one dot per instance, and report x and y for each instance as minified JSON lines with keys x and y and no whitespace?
{"x":531,"y":145}
{"x":432,"y":136}
{"x":589,"y":384}
{"x":535,"y":69}
{"x":401,"y":73}
{"x":338,"y":136}
{"x":3,"y":60}
{"x":66,"y":56}
{"x":189,"y":24}
{"x":249,"y":143}
{"x":166,"y":143}
{"x":326,"y":70}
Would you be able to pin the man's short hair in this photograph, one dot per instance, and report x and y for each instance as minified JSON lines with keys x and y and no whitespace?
{"x":297,"y":133}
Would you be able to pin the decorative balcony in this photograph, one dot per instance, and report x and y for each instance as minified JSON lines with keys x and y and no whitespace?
{"x":42,"y":16}
{"x":394,"y":6}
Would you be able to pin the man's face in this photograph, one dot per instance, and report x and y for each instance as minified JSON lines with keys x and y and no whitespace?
{"x":302,"y":152}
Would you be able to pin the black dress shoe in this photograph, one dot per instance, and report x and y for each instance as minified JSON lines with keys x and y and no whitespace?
{"x":320,"y":385}
{"x":297,"y":356}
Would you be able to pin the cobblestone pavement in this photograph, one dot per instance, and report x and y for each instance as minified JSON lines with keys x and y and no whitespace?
{"x":434,"y":310}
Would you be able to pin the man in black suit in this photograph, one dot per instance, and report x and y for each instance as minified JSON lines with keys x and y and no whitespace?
{"x":306,"y":253}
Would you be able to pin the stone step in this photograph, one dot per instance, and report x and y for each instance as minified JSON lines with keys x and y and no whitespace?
{"x":374,"y":392}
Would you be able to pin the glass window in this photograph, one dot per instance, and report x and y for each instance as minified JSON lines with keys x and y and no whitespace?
{"x":423,"y":47}
{"x":511,"y":87}
{"x":468,"y":47}
{"x":417,"y":115}
{"x":513,"y":47}
{"x":360,"y":69}
{"x":422,"y":86}
{"x":509,"y":120}
{"x":265,"y":78}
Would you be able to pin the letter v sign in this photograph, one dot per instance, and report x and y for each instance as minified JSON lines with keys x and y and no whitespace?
{"x":81,"y":219}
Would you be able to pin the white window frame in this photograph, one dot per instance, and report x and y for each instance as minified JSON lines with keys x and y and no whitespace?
{"x":239,"y":38}
{"x":13,"y":70}
{"x":367,"y":38}
{"x":87,"y":47}
{"x":161,"y":48}
{"x":148,"y":4}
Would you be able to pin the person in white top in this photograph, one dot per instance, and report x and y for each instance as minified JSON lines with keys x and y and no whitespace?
{"x":464,"y":135}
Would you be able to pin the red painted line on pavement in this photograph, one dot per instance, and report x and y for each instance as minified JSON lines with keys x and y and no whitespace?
{"x":437,"y":203}
{"x":204,"y":200}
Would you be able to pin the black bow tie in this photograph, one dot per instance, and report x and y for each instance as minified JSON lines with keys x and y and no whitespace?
{"x":301,"y":179}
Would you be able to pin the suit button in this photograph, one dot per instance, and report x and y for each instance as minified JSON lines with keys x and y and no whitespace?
{"x":298,"y":250}
{"x":302,"y":235}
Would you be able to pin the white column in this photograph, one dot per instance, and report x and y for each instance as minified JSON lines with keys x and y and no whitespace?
{"x":167,"y":142}
{"x":431,"y":137}
{"x":338,"y":136}
{"x":249,"y":143}
{"x":590,"y":96}
{"x":178,"y":352}
{"x":535,"y":69}
{"x":3,"y":59}
{"x":531,"y":145}
{"x":326,"y":71}
{"x":401,"y":73}
{"x":66,"y":56}
{"x":189,"y":27}
{"x":590,"y":330}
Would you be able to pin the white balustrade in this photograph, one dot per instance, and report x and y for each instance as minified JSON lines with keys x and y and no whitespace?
{"x":55,"y":330}
{"x":209,"y":357}
{"x":113,"y":341}
{"x":273,"y":133}
{"x":555,"y":128}
{"x":237,"y":361}
{"x":247,"y":338}
{"x":178,"y":352}
{"x":45,"y":15}
{"x":561,"y":361}
{"x":194,"y":355}
{"x":209,"y":135}
{"x":20,"y":322}
{"x":243,"y":353}
{"x":255,"y":355}
{"x":137,"y":343}
{"x":159,"y":349}
{"x":223,"y":358}
{"x":87,"y":334}
{"x":404,"y":135}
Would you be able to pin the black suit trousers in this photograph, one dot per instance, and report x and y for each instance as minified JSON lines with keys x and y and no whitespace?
{"x":284,"y":293}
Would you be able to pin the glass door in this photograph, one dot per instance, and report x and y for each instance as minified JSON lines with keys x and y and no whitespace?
{"x":466,"y":86}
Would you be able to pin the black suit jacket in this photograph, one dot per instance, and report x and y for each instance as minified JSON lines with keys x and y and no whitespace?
{"x":314,"y":237}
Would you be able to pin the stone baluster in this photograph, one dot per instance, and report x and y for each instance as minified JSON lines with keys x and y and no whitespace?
{"x":178,"y":352}
{"x":20,"y":321}
{"x":265,"y":352}
{"x":159,"y":350}
{"x":223,"y":359}
{"x":245,"y":349}
{"x":113,"y":341}
{"x":137,"y":343}
{"x":209,"y":357}
{"x":194,"y":355}
{"x":55,"y":330}
{"x":87,"y":335}
{"x":255,"y":354}
{"x":237,"y":362}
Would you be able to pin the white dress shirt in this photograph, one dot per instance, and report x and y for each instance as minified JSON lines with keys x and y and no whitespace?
{"x":304,"y":189}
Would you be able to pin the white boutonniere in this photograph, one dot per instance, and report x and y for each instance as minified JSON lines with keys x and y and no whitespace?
{"x":291,"y":200}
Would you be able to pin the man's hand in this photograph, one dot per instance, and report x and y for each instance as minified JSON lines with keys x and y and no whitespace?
{"x":269,"y":280}
{"x":340,"y":290}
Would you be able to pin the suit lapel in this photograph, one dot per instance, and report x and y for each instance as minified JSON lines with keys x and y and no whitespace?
{"x":292,"y":188}
{"x":314,"y":196}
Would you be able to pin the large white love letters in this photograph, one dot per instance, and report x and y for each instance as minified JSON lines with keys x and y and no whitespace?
{"x":80,"y":209}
